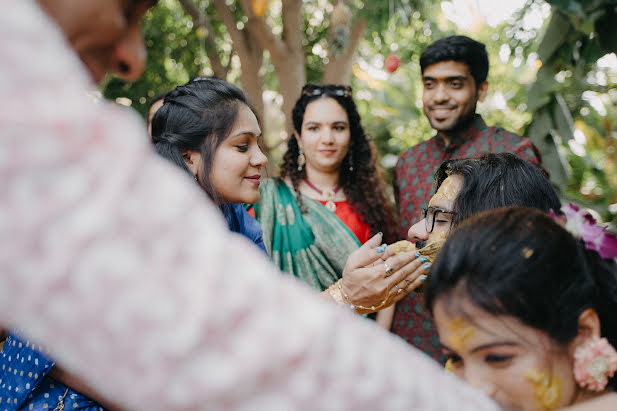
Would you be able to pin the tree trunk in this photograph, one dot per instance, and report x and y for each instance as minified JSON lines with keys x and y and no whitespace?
{"x":292,"y":76}
{"x":250,"y":53}
{"x":338,"y":68}
{"x":286,"y":52}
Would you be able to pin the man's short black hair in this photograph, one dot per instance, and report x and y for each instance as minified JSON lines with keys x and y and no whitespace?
{"x":458,"y":48}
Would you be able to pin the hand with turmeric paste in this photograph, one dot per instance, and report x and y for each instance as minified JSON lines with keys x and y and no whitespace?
{"x":377,"y":276}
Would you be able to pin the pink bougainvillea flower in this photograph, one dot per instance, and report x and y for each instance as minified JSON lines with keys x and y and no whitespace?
{"x":582,"y":225}
{"x":607,"y":245}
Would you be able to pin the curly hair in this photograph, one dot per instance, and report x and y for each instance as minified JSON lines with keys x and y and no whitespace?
{"x":359,"y":175}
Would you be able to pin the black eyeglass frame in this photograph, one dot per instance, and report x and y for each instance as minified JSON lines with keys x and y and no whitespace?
{"x":431,"y":226}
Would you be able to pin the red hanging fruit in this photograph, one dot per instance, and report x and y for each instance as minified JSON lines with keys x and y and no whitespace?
{"x":392,"y":63}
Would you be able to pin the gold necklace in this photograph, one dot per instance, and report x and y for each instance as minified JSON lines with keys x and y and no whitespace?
{"x":328,"y":194}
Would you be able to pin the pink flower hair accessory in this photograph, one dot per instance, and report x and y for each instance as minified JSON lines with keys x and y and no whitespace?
{"x":581,"y":224}
{"x":594,"y":363}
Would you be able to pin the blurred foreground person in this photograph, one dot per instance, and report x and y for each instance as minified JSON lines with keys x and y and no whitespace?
{"x":112,"y":259}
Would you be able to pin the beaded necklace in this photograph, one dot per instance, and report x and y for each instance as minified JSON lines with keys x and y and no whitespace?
{"x":328,"y":194}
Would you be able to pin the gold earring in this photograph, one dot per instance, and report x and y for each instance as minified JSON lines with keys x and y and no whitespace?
{"x":301,"y":159}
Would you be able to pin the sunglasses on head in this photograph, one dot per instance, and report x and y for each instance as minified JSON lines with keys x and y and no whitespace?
{"x":317,"y":90}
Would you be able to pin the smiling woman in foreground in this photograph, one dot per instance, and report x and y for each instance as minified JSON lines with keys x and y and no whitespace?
{"x":526,"y":312}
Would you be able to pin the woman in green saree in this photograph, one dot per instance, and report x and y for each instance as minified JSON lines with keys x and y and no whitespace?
{"x":330,"y":198}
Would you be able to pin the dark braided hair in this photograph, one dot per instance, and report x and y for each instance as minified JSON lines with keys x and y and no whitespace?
{"x":197,"y":116}
{"x":363,"y":185}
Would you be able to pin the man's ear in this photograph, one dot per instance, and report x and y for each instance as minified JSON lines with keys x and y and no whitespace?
{"x":482,"y":91}
{"x":192,"y":160}
{"x":588,"y":327}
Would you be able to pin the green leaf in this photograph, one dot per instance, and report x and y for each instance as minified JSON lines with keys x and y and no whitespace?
{"x":555,"y":36}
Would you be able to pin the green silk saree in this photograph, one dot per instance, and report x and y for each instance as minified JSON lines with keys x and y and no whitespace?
{"x":313,"y":246}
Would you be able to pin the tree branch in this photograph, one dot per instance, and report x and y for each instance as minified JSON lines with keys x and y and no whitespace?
{"x":292,"y":24}
{"x":338,"y":69}
{"x":259,"y":28}
{"x":191,"y":8}
{"x":200,"y":20}
{"x":229,"y":21}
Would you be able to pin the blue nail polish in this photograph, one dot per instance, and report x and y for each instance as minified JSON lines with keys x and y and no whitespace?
{"x":381,"y":248}
{"x":417,"y":254}
{"x":423,"y":259}
{"x":427,"y":266}
{"x":380,"y":233}
{"x":422,"y":278}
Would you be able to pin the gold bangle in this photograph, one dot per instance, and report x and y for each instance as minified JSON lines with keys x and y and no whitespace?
{"x":335,"y":292}
{"x":357,"y":307}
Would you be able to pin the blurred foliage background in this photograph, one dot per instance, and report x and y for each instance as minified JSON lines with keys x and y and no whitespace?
{"x":553,"y":73}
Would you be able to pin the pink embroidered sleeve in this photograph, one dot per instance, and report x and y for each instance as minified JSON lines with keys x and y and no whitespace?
{"x":119,"y":265}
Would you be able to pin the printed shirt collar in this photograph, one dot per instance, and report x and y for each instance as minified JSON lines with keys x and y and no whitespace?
{"x":475,"y":127}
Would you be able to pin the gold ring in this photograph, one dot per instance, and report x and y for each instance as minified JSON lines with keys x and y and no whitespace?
{"x":389,"y":270}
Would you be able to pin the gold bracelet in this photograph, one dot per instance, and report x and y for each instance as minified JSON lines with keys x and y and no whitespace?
{"x":357,"y":307}
{"x":335,"y":292}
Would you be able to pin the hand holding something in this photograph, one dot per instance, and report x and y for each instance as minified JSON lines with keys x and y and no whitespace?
{"x":368,"y":287}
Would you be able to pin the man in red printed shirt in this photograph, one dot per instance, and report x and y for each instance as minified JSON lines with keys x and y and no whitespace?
{"x":454,"y":71}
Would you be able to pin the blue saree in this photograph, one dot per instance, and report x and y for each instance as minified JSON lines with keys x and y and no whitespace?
{"x":26,"y":385}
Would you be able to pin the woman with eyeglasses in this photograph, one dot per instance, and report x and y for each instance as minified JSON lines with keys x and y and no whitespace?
{"x":330,"y":197}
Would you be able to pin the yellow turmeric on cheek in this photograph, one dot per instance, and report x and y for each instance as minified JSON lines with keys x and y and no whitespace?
{"x":548,"y":387}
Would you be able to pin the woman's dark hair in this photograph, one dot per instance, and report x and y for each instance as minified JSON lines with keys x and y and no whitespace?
{"x":157,"y":98}
{"x":518,"y":262}
{"x":497,"y":180}
{"x":359,"y":175}
{"x":458,"y":48}
{"x":197,"y":116}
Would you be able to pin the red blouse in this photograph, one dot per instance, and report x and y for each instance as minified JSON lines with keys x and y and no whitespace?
{"x":353,"y":221}
{"x":349,"y":217}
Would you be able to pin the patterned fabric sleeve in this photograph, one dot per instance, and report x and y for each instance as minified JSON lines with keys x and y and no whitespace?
{"x":114,"y":260}
{"x":529,"y":152}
